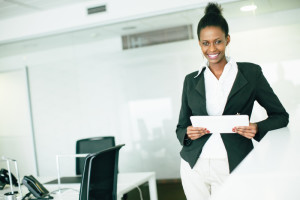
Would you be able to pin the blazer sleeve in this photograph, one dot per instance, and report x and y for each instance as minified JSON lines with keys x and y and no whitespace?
{"x":184,"y":117}
{"x":277,"y":115}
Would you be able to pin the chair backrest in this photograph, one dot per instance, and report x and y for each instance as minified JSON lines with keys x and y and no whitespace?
{"x":100,"y":175}
{"x":91,"y":145}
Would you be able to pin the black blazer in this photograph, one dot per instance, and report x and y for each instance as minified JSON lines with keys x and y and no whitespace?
{"x":249,"y":85}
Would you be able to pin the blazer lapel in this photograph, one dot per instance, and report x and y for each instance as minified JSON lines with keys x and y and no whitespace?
{"x":200,"y":87}
{"x":238,"y":84}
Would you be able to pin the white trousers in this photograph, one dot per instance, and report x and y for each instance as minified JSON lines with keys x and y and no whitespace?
{"x":201,"y":182}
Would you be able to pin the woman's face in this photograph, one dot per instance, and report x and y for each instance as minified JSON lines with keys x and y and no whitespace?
{"x":213,"y":44}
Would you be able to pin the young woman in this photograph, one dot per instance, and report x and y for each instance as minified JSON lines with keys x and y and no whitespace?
{"x":221,"y":87}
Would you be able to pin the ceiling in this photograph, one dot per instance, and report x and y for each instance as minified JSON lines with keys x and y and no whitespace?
{"x":13,"y":8}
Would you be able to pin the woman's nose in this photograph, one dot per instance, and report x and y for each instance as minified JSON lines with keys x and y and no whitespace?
{"x":212,"y":48}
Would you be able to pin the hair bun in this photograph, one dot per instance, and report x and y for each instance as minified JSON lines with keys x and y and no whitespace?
{"x":213,"y":8}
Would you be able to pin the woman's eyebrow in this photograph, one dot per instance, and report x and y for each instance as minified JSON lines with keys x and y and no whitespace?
{"x":212,"y":39}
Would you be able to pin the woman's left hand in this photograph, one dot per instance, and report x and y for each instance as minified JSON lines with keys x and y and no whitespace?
{"x":246,"y":131}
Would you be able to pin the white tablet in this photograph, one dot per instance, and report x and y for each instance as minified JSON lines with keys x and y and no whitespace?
{"x":220,"y":124}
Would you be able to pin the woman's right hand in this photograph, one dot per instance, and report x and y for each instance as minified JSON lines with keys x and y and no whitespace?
{"x":196,"y":132}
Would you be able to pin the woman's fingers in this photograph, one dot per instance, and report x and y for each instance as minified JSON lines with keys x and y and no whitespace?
{"x":196,"y":132}
{"x":246,"y":131}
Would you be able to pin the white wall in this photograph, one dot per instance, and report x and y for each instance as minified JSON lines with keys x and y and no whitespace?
{"x":96,"y":89}
{"x":15,"y":128}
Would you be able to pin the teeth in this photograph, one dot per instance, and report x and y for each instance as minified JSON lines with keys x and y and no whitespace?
{"x":213,"y":55}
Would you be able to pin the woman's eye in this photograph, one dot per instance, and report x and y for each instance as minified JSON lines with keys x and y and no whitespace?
{"x":205,"y":43}
{"x":218,"y":42}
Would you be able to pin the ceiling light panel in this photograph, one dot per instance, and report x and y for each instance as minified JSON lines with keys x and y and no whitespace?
{"x":248,"y":8}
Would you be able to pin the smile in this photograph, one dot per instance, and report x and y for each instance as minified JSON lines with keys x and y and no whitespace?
{"x":213,"y":56}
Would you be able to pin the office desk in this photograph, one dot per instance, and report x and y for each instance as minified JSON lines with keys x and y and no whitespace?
{"x":129,"y":181}
{"x":126,"y":183}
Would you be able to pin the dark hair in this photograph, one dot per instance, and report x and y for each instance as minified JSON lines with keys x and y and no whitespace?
{"x":213,"y":17}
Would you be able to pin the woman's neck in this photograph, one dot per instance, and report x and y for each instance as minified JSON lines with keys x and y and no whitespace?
{"x":217,"y":68}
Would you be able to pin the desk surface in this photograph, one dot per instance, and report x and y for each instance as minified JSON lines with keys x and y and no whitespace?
{"x":129,"y":181}
{"x":126,"y":182}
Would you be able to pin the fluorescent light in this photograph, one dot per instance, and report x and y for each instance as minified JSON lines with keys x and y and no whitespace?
{"x":248,"y":8}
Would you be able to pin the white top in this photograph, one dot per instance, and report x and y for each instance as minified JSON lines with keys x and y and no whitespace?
{"x":217,"y":92}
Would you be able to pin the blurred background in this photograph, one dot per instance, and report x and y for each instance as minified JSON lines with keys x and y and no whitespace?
{"x":72,"y":69}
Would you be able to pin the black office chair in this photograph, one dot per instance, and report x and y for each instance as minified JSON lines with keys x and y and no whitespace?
{"x":91,"y":145}
{"x":99,"y":179}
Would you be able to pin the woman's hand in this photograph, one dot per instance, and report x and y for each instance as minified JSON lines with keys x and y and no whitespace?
{"x":246,"y":131}
{"x":196,"y":132}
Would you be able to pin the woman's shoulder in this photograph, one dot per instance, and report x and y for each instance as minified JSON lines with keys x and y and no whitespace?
{"x":191,"y":78}
{"x":192,"y":75}
{"x":248,"y":67}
